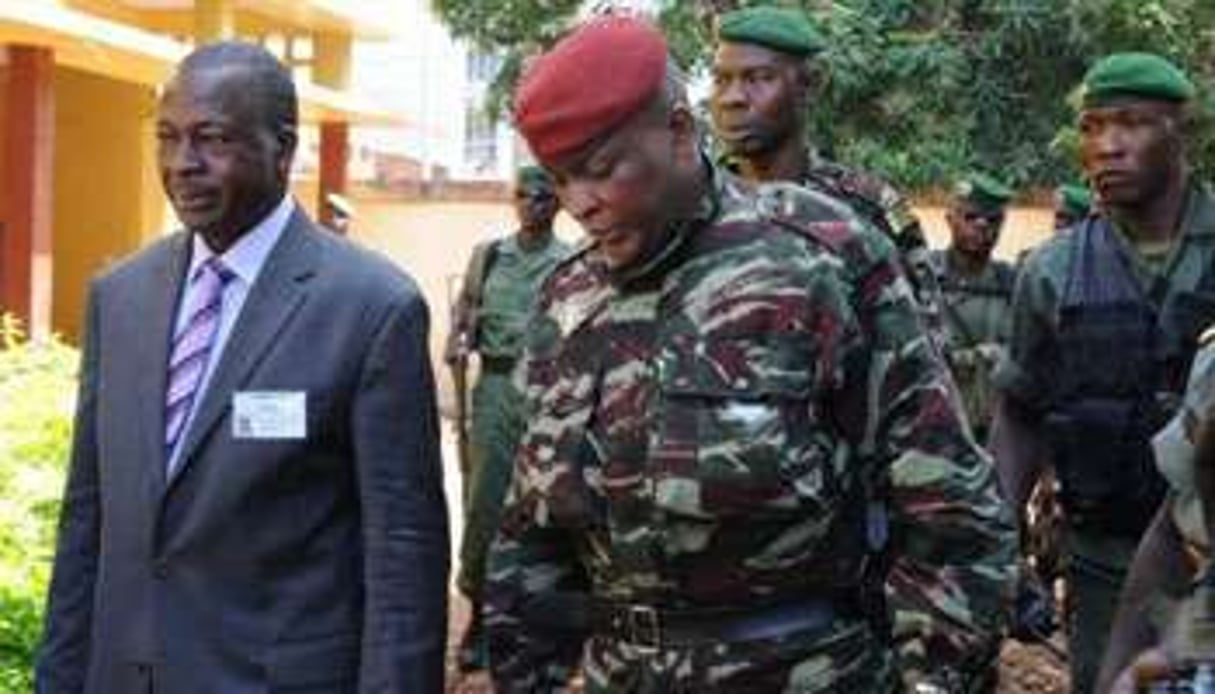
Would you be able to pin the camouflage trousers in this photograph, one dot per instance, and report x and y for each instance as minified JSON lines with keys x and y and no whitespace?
{"x":844,"y":657}
{"x":492,"y":441}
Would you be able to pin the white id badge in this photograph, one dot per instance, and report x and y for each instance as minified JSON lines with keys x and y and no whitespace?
{"x":269,"y":415}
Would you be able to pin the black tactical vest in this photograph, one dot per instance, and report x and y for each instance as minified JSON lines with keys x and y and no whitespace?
{"x":1123,"y":355}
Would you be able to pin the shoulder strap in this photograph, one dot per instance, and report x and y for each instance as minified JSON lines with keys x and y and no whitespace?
{"x":1006,"y":278}
{"x":1099,"y":270}
{"x":482,"y":260}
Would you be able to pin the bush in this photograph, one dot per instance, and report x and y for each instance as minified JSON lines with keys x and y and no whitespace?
{"x":37,"y":388}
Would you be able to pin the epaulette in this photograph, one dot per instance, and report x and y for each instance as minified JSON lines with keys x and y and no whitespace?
{"x":1207,"y":337}
{"x":801,"y":210}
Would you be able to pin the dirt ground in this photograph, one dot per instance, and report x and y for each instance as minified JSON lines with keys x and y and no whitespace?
{"x":433,"y":242}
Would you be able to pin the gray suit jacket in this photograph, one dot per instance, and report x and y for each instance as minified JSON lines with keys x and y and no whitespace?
{"x":315,"y":564}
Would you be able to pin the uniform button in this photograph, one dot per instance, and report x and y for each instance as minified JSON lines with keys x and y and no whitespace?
{"x":160,"y":568}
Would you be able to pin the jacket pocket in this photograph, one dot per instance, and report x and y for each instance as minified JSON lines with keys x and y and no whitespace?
{"x":742,"y":412}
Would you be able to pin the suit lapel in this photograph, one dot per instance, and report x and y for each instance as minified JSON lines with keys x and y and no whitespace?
{"x":152,"y":312}
{"x":280,"y":289}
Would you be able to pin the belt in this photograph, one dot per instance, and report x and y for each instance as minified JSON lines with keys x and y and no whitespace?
{"x":498,"y":364}
{"x":649,"y":627}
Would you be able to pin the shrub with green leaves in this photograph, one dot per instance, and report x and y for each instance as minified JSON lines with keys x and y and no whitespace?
{"x":918,"y":90}
{"x":37,"y":390}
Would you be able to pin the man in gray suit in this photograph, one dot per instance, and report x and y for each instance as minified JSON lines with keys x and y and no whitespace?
{"x":254,"y":501}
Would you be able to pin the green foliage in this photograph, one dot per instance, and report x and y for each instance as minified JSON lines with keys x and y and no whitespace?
{"x":37,"y":385}
{"x":920,"y":90}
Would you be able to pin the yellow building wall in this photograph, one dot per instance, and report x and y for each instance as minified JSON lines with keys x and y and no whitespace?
{"x":107,"y":199}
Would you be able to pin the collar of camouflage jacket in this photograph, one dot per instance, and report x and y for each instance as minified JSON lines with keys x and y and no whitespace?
{"x":707,"y":210}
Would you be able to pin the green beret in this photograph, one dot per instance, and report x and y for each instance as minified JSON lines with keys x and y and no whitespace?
{"x":1075,"y":199}
{"x":780,"y":28}
{"x":983,"y":192}
{"x":531,"y":177}
{"x":1144,"y":75}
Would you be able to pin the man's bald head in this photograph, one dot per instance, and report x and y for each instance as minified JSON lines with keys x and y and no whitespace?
{"x":266,"y":88}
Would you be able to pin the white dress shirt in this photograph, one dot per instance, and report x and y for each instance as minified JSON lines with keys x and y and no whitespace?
{"x":244,"y":259}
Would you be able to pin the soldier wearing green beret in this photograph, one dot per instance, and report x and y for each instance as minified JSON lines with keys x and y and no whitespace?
{"x":1105,"y":321}
{"x":764,"y":78}
{"x":976,"y":291}
{"x":496,"y":295}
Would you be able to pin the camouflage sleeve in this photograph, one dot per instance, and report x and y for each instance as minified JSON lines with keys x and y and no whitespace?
{"x":536,"y":588}
{"x":953,"y":540}
{"x":534,"y":621}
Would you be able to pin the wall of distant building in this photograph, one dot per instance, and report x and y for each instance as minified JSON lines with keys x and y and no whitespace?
{"x":439,"y":84}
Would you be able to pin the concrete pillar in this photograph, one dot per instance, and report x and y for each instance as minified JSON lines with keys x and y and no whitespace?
{"x":335,"y":150}
{"x":331,"y":68}
{"x":25,"y":238}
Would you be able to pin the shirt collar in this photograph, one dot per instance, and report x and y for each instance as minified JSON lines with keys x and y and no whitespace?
{"x":246,"y":257}
{"x":708,"y":210}
{"x":1199,"y":216}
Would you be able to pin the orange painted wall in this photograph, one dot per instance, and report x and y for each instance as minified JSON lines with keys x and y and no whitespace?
{"x":107,"y":201}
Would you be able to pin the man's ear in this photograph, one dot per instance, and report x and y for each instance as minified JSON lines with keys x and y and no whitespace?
{"x":684,"y":129}
{"x":286,"y":139}
{"x":1187,"y":120}
{"x":813,"y":77}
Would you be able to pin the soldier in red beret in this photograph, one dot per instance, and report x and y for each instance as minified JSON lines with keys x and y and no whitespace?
{"x":738,"y":432}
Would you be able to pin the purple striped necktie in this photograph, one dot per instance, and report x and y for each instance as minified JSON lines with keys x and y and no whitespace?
{"x":192,"y":346}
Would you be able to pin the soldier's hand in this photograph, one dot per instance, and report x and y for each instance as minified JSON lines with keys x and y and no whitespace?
{"x":1150,"y":665}
{"x":964,"y":358}
{"x":916,"y":682}
{"x":453,"y":357}
{"x":989,"y":353}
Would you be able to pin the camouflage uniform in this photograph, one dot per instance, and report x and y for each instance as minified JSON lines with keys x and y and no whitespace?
{"x":1180,"y":284}
{"x":978,"y":318}
{"x":509,"y":282}
{"x":707,"y":437}
{"x":884,"y":207}
{"x":1174,"y":450}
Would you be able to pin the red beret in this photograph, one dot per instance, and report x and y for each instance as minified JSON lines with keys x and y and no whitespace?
{"x":589,"y":83}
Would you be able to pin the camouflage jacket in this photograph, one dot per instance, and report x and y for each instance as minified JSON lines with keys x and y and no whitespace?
{"x":884,"y":207}
{"x":1175,"y":451}
{"x":702,"y":435}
